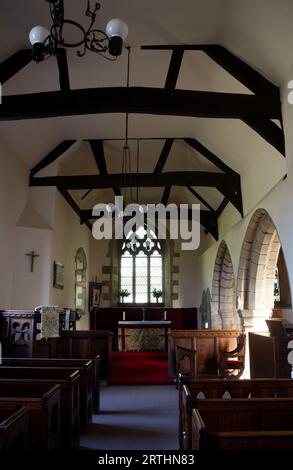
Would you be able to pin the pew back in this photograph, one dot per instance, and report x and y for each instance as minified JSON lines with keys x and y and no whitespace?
{"x":190,"y":392}
{"x":243,"y":423}
{"x":206,"y":345}
{"x":14,"y":428}
{"x":43,"y":404}
{"x":87,"y":370}
{"x":69,"y":381}
{"x":90,"y":366}
{"x":78,"y":345}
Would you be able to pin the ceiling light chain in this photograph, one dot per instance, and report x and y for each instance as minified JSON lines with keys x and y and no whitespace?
{"x":126,"y":157}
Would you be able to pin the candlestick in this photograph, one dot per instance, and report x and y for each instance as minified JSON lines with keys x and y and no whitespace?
{"x":165,"y":315}
{"x":123,"y":316}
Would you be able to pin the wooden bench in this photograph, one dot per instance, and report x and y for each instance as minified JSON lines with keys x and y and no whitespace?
{"x":14,"y":428}
{"x":89,"y":386}
{"x":69,"y":381}
{"x":190,"y":392}
{"x":42,"y":402}
{"x":78,"y":345}
{"x":256,"y":423}
{"x":205,"y":348}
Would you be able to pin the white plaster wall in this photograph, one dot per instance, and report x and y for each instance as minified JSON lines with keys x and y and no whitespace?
{"x":68,"y":236}
{"x":13,"y":198}
{"x":189,"y":289}
{"x":31,"y":289}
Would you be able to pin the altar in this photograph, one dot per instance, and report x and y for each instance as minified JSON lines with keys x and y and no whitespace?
{"x":143,"y":335}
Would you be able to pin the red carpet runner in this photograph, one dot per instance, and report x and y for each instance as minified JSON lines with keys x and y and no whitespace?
{"x":139,"y":368}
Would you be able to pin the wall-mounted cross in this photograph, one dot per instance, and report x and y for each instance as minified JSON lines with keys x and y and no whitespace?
{"x":32,"y":255}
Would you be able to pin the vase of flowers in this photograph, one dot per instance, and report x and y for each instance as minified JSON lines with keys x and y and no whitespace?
{"x":157,"y":294}
{"x":122,"y":293}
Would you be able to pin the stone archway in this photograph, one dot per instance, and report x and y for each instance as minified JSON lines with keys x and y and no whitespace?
{"x":256,"y":273}
{"x":224,"y":313}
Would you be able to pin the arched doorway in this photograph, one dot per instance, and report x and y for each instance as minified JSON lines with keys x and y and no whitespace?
{"x":224,"y":313}
{"x":260,"y":258}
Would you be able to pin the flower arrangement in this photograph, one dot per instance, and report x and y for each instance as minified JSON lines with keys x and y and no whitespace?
{"x":123,"y":293}
{"x":157,"y":293}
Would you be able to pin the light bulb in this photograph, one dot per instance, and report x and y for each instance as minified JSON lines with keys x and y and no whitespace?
{"x":117,"y":32}
{"x":117,"y":27}
{"x":38,"y":35}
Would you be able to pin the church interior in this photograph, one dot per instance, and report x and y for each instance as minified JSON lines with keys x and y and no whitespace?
{"x":175,"y":333}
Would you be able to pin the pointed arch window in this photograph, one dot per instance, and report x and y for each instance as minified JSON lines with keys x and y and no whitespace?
{"x":80,"y":280}
{"x":141,"y":266}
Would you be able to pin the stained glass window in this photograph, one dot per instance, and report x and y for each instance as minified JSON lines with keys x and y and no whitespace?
{"x":141,"y":267}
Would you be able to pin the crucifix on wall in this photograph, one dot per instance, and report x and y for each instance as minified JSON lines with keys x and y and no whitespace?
{"x":32,"y":255}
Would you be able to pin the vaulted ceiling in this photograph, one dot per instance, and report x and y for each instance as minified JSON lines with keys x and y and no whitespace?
{"x":234,"y":134}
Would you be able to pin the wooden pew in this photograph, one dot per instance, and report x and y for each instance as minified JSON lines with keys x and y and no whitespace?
{"x":42,"y":402}
{"x":69,"y":381}
{"x":190,"y":392}
{"x":88,"y":344}
{"x":78,"y":345}
{"x":255,"y":423}
{"x":14,"y":428}
{"x":205,"y":348}
{"x":89,"y":386}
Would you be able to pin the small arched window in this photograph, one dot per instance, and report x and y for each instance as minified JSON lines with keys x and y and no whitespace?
{"x":80,"y":280}
{"x":141,"y":267}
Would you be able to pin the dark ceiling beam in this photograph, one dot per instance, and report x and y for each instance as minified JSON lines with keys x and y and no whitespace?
{"x":256,"y":83}
{"x":233,"y":193}
{"x":117,"y":191}
{"x":222,"y":206}
{"x":14,"y":63}
{"x":250,"y":78}
{"x":240,"y":70}
{"x":210,"y":222}
{"x":164,"y":156}
{"x":139,"y":100}
{"x":200,"y":198}
{"x":97,"y":147}
{"x":269,"y":131}
{"x":69,"y":199}
{"x":63,"y":70}
{"x":166,"y":194}
{"x":228,"y":185}
{"x":198,"y":147}
{"x":52,"y":156}
{"x":86,"y":194}
{"x":147,"y":180}
{"x":174,"y":68}
{"x":243,"y":72}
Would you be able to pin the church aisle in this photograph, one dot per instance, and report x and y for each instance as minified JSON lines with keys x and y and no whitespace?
{"x":135,"y":418}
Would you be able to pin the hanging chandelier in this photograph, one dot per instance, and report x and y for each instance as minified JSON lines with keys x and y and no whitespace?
{"x":108,"y":44}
